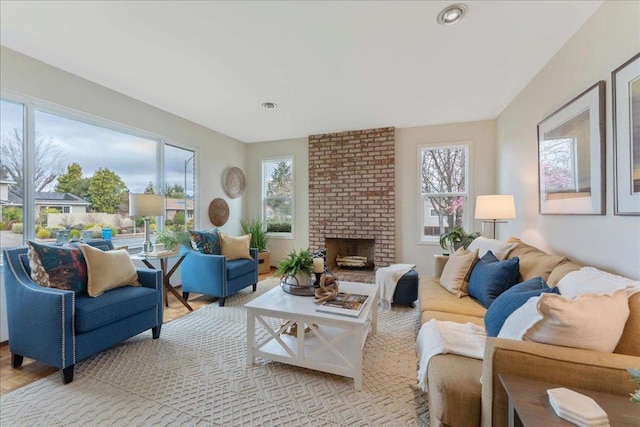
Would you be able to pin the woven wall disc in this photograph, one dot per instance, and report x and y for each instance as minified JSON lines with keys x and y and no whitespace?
{"x":233,"y":182}
{"x":218,"y":212}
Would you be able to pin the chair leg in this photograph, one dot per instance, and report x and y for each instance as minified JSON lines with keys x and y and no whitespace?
{"x":155,"y":332}
{"x":67,"y":374}
{"x":185,"y":295}
{"x":221,"y":302}
{"x":16,"y":360}
{"x":255,"y":286}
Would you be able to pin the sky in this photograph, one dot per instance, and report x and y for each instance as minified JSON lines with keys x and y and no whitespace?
{"x":131,"y":157}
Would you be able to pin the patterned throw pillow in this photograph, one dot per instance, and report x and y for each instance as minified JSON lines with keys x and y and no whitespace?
{"x":207,"y":242}
{"x":57,"y":267}
{"x":322,"y":253}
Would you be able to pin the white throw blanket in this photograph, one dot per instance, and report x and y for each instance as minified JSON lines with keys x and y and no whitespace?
{"x":387,"y":279}
{"x":441,"y":337}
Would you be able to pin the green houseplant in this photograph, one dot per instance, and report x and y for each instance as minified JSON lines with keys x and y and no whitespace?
{"x":171,"y":239}
{"x":457,"y":237}
{"x":298,"y":264}
{"x":259,"y":240}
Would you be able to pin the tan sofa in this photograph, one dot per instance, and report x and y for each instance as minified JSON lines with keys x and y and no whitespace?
{"x":456,"y":395}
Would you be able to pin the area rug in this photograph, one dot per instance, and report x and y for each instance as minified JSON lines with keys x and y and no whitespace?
{"x":196,"y":375}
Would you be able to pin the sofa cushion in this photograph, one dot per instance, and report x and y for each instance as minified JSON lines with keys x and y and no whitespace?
{"x":425,"y":316}
{"x":433,"y":297}
{"x":455,"y":275}
{"x":108,"y":270}
{"x":511,"y":300}
{"x":533,"y":261}
{"x":57,"y":267}
{"x":490,"y":278}
{"x":206,"y":242}
{"x":240,"y":267}
{"x":499,"y":248}
{"x":235,"y":247}
{"x":561,"y":270}
{"x":113,"y":305}
{"x":592,"y":322}
{"x":454,"y":390}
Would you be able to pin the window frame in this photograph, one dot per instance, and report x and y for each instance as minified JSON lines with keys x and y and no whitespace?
{"x":32,"y":104}
{"x":469,"y":203}
{"x":278,"y":235}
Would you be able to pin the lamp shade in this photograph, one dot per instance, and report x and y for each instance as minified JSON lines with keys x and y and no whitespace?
{"x":146,"y":205}
{"x":495,"y":206}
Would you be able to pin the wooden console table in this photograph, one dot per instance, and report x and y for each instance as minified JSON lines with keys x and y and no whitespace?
{"x":529,"y":404}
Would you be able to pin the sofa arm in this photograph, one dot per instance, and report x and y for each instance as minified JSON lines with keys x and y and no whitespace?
{"x":571,"y":367}
{"x":149,"y":278}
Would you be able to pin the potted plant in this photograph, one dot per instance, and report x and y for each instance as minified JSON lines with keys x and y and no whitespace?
{"x":172,"y":239}
{"x":296,"y":268}
{"x":457,"y":237}
{"x":259,"y":240}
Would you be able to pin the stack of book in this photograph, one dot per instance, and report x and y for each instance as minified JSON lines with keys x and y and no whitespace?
{"x":345,"y":304}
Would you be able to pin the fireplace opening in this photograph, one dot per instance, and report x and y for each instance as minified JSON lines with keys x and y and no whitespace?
{"x":350,"y":254}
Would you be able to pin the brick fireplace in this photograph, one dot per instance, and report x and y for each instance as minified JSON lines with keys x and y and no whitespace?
{"x":352,"y":194}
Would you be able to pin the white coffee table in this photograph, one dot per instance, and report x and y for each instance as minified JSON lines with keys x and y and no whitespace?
{"x":334,"y":344}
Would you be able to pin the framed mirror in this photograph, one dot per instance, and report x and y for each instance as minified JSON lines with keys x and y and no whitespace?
{"x":571,"y":156}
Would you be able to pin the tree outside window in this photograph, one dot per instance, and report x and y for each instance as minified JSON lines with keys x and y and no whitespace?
{"x":278,"y":195}
{"x":443,"y":184}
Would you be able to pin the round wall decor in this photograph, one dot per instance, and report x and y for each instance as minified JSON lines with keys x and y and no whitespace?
{"x":218,"y":212}
{"x":233,"y":182}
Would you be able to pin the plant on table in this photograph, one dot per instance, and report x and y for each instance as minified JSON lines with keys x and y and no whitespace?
{"x":298,"y":264}
{"x":635,"y":376}
{"x":171,"y":239}
{"x":457,"y":237}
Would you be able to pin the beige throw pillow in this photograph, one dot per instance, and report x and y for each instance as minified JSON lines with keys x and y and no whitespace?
{"x":591,"y":321}
{"x":108,"y":270}
{"x":455,"y":275}
{"x":235,"y":247}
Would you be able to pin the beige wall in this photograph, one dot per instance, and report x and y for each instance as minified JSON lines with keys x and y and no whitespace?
{"x":26,"y":76}
{"x":609,"y":38}
{"x":482,"y":181}
{"x":299,"y":149}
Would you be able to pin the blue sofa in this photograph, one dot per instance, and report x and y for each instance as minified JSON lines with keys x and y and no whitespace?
{"x":60,"y":328}
{"x":214,"y":275}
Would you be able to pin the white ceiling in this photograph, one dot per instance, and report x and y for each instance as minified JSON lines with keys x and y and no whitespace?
{"x":329,"y":65}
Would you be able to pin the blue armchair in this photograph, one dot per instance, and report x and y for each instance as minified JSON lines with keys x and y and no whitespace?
{"x":214,"y":275}
{"x":60,"y":328}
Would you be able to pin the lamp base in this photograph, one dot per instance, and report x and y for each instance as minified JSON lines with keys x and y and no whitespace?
{"x":494,"y":222}
{"x":147,"y":246}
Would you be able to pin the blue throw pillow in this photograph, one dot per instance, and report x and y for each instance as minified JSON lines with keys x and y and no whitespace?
{"x":490,"y":277}
{"x":57,"y":267}
{"x":511,"y":300}
{"x":207,"y":242}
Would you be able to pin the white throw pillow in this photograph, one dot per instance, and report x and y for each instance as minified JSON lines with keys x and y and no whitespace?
{"x":519,"y":322}
{"x":589,"y":280}
{"x":592,"y":322}
{"x":499,"y":248}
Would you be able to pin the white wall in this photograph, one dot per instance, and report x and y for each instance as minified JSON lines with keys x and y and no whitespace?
{"x":299,"y":149}
{"x":26,"y":76}
{"x":482,"y":180}
{"x":609,"y":38}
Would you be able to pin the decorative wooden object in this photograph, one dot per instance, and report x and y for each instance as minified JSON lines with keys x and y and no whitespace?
{"x":218,"y":212}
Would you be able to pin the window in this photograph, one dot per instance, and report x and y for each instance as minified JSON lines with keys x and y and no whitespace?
{"x":443,"y":174}
{"x":79,"y":171}
{"x":277,"y":195}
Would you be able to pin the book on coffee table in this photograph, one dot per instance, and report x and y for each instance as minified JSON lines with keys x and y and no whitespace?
{"x":345,"y":304}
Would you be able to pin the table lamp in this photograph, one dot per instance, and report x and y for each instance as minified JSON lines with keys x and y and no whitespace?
{"x":495,"y":208}
{"x":146,"y":205}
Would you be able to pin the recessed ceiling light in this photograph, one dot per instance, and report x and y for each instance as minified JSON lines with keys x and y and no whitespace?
{"x":452,"y":14}
{"x":269,"y":105}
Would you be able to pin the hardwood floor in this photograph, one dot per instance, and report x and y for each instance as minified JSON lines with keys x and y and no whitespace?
{"x":30,"y":371}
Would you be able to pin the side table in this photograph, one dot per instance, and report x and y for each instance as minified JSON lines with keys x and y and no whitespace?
{"x":166,"y":276}
{"x":529,"y":404}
